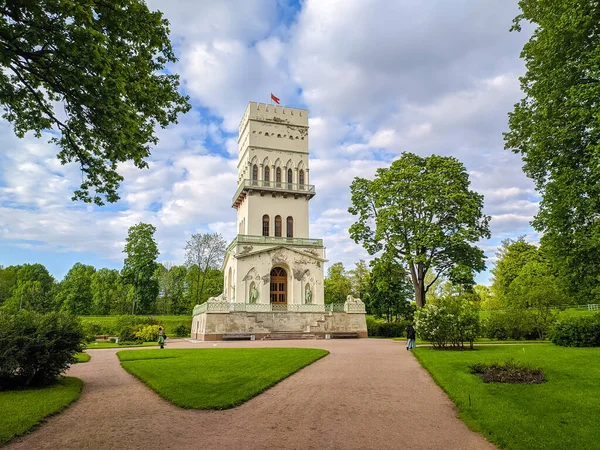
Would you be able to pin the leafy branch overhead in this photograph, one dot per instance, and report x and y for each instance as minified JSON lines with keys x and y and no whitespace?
{"x":92,"y":72}
{"x":420,"y":213}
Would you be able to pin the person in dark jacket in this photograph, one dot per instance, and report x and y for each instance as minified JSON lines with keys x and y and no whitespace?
{"x":411,"y":335}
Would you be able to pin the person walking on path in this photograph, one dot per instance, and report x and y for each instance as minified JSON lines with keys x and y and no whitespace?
{"x":411,"y":335}
{"x":161,"y":337}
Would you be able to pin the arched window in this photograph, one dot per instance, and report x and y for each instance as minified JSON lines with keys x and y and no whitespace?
{"x":267,"y":173}
{"x":278,"y":226}
{"x":290,"y":227}
{"x":290,"y":176}
{"x":266,"y":225}
{"x":301,"y":177}
{"x":278,"y":175}
{"x":254,"y":174}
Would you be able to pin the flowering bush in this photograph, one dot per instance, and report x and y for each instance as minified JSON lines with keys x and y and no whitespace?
{"x":450,"y":321}
{"x":147,"y":334}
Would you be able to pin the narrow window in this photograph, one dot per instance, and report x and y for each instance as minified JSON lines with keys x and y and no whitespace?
{"x":301,"y":177}
{"x":265,"y":225}
{"x":289,"y":175}
{"x":278,"y":226}
{"x":267,"y":173}
{"x":254,"y":174}
{"x":290,"y":227}
{"x":278,"y":175}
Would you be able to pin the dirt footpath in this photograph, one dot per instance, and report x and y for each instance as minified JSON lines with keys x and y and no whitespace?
{"x":367,"y":394}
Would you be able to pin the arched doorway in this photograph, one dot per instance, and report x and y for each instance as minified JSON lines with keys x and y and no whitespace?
{"x":278,"y":286}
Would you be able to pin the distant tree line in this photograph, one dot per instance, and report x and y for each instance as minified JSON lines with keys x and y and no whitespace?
{"x":143,"y":286}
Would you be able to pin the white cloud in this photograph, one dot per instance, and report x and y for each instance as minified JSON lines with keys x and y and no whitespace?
{"x":378,"y":77}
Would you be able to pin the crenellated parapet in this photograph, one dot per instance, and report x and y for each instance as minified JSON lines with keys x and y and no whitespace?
{"x":274,"y":113}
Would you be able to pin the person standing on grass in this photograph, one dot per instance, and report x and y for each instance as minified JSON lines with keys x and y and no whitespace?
{"x":161,"y":337}
{"x":411,"y":335}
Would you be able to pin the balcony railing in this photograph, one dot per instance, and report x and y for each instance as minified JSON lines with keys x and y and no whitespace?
{"x":225,"y":307}
{"x":248,"y":239}
{"x":275,"y":186}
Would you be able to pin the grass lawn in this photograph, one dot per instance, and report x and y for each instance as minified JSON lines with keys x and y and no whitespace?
{"x":561,"y":413}
{"x":24,"y":409}
{"x":82,"y":357}
{"x":215,"y":378}
{"x":103,"y":344}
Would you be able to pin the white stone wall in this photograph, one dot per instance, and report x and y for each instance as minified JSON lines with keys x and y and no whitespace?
{"x":302,"y":269}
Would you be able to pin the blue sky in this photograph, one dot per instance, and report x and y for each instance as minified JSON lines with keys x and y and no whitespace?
{"x":378,"y":78}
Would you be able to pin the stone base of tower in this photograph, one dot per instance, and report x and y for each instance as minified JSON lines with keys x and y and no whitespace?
{"x":215,"y":326}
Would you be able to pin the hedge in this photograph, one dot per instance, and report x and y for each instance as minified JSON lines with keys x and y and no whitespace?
{"x":577,"y":331}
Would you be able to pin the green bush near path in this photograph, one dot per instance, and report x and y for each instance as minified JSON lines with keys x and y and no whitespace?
{"x":24,"y":409}
{"x":559,"y":414}
{"x":112,"y":325}
{"x":215,"y":378}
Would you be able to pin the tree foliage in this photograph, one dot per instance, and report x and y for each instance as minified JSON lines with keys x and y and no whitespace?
{"x":109,"y":295}
{"x":389,"y":290}
{"x":29,"y":286}
{"x":556,"y":129}
{"x":139,"y":266}
{"x":512,"y":256}
{"x":75,"y":291}
{"x":421,"y":213}
{"x":337,"y":285}
{"x":204,"y":251}
{"x":94,"y":72}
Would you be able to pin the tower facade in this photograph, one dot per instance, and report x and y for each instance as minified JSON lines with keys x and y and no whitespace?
{"x":272,"y":201}
{"x":273,"y":269}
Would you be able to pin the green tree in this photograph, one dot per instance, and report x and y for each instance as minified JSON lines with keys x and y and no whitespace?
{"x":389,"y":289}
{"x":337,"y":284}
{"x":139,"y":266}
{"x":204,"y":251}
{"x":359,"y":279}
{"x":556,"y":129}
{"x":103,"y":64}
{"x":75,"y":291}
{"x":512,"y":256}
{"x":421,"y":213}
{"x":203,"y":285}
{"x":34,"y":290}
{"x":108,"y":293}
{"x":172,"y":286}
{"x":536,"y":289}
{"x":8,"y":282}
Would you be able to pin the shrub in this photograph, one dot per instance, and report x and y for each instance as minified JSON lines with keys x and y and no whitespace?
{"x":577,"y":331}
{"x":112,"y":340}
{"x":451,"y":320}
{"x":518,"y":324}
{"x":508,"y":372}
{"x":134,"y":322}
{"x":126,"y":334}
{"x":147,"y":334}
{"x":36,"y":348}
{"x":379,"y":328}
{"x":181,"y":330}
{"x":91,"y":330}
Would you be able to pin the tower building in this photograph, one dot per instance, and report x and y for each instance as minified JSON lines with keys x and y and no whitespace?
{"x":273,"y":269}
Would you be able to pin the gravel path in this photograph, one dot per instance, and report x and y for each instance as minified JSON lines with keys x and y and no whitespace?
{"x":367,"y":394}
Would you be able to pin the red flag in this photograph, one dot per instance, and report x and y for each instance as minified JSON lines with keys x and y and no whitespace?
{"x":275,"y":99}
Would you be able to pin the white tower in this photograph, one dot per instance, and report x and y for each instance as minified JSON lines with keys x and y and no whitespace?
{"x":273,"y":271}
{"x":272,"y":260}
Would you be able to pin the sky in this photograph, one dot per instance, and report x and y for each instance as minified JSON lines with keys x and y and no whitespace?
{"x":378,"y":78}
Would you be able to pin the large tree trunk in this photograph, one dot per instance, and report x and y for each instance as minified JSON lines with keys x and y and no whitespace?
{"x":418,"y":282}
